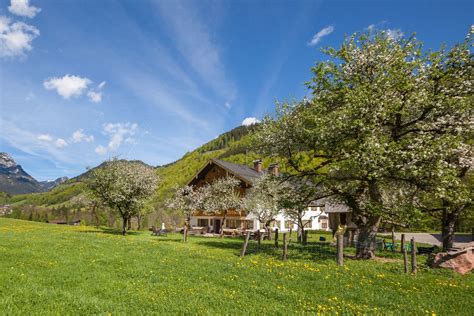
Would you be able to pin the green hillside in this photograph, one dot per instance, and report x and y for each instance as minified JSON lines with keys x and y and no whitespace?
{"x":233,"y":146}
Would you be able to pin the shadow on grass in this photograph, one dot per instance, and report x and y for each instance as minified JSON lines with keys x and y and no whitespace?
{"x":311,"y":251}
{"x":108,"y":230}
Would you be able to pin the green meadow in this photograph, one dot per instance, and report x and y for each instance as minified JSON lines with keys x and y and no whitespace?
{"x":52,"y":269}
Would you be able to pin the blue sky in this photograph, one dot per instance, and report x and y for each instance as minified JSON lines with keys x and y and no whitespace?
{"x":82,"y":81}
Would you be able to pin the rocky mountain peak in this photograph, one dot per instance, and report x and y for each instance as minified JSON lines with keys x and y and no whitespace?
{"x":6,"y":160}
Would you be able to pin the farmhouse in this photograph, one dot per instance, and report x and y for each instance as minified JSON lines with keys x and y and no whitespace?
{"x":314,"y":219}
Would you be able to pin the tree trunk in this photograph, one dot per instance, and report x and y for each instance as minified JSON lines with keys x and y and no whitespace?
{"x":139,"y":222}
{"x":300,"y":231}
{"x":129,"y":223}
{"x":124,"y":226}
{"x":186,"y":226}
{"x":222,"y":225}
{"x":447,"y":230}
{"x":366,"y":238}
{"x":368,"y":226}
{"x":267,"y":230}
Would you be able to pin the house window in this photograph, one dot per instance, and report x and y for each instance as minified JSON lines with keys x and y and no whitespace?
{"x":233,"y":223}
{"x":307,"y":224}
{"x":203,"y":222}
{"x":324,"y":225}
{"x":248,"y":224}
{"x":288,"y":224}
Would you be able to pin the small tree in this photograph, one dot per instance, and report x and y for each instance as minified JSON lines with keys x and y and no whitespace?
{"x":221,"y":196}
{"x":295,"y":198}
{"x":123,"y":186}
{"x":186,"y":200}
{"x":262,"y":200}
{"x":142,"y":213}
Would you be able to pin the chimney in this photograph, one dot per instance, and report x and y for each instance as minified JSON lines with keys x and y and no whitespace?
{"x":257,"y":165}
{"x":273,"y":169}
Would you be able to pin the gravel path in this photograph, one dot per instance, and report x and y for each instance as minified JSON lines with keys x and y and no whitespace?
{"x":435,"y":239}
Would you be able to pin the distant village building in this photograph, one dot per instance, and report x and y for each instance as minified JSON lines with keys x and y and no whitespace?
{"x":317,"y":217}
{"x":5,"y":210}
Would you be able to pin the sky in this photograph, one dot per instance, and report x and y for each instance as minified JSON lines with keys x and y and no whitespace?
{"x":83,"y":81}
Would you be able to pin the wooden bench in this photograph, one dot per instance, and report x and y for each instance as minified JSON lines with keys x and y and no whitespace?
{"x":158,"y":232}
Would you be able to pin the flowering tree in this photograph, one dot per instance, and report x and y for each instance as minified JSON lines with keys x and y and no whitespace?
{"x":295,"y":198}
{"x":382,"y":123}
{"x":123,"y":186}
{"x":220,"y":196}
{"x":262,"y":200}
{"x":186,"y":200}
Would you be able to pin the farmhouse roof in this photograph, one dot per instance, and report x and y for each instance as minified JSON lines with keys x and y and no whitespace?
{"x":241,"y":171}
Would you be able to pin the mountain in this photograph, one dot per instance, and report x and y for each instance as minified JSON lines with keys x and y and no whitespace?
{"x":233,"y":146}
{"x":15,"y":180}
{"x":49,"y":184}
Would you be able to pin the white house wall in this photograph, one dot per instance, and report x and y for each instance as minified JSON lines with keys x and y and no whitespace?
{"x":311,"y":214}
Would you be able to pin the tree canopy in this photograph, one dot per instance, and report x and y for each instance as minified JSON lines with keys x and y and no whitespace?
{"x":383,"y":124}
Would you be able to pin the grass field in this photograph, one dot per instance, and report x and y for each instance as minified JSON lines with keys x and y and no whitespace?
{"x":52,"y":269}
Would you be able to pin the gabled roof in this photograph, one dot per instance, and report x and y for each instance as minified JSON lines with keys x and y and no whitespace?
{"x":242,"y":172}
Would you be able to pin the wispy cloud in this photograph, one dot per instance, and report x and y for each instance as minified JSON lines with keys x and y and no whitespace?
{"x":45,"y":137}
{"x":155,"y":93}
{"x":393,"y":34}
{"x":79,"y":136}
{"x":23,"y":8}
{"x":43,"y":146}
{"x":16,"y":37}
{"x":60,"y":143}
{"x":67,"y":86}
{"x":117,"y":133}
{"x":95,"y":95}
{"x":319,"y":36}
{"x":194,"y":42}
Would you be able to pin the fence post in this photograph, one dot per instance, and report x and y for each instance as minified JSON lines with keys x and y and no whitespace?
{"x":413,"y":256}
{"x":404,"y":252}
{"x":259,"y":239}
{"x":393,"y":238}
{"x":276,"y":238}
{"x":244,"y":248}
{"x":285,"y":248}
{"x":340,"y":250}
{"x":185,"y":233}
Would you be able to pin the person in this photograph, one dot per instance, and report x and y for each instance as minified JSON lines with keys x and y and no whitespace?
{"x":163,"y":226}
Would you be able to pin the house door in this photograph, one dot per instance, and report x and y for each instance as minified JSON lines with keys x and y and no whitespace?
{"x":217,"y":226}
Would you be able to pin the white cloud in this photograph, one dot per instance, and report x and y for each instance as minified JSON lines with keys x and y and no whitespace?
{"x":393,"y":34}
{"x":118,"y":133}
{"x":250,"y":121}
{"x":322,"y":33}
{"x":67,"y":86}
{"x":60,"y":143}
{"x":95,"y":95}
{"x":79,"y":136}
{"x":228,"y":105}
{"x":16,"y":37}
{"x":23,"y":8}
{"x":45,"y":137}
{"x":101,"y":150}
